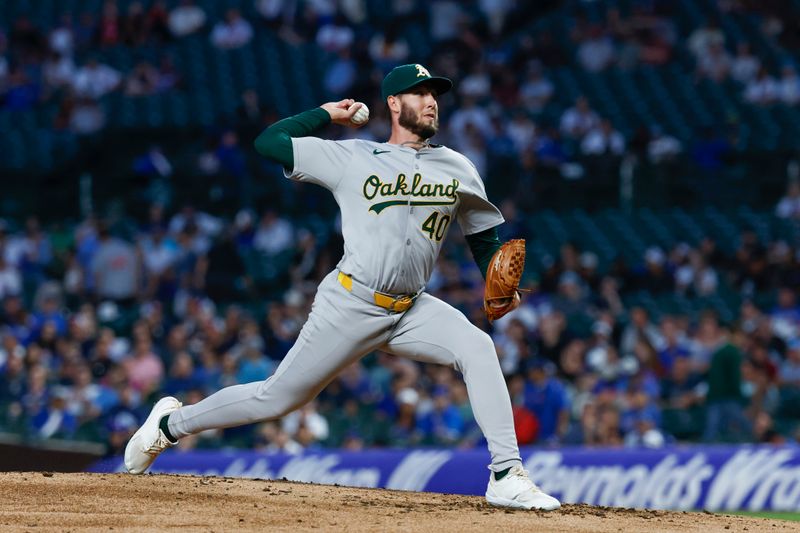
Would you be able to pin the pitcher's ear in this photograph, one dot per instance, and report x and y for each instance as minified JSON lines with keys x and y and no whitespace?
{"x":393,"y":103}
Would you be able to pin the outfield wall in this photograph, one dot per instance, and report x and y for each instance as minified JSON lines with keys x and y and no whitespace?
{"x":716,"y":478}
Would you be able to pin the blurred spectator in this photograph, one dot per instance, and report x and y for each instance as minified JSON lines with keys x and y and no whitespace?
{"x":142,"y":81}
{"x":95,"y":80}
{"x":745,"y":65}
{"x":153,"y":163}
{"x":158,"y":21}
{"x":278,"y":440}
{"x":336,"y":35}
{"x":84,"y":116}
{"x":655,"y":275}
{"x":789,"y":372}
{"x":578,"y":120}
{"x":54,"y":421}
{"x":445,"y":17}
{"x":763,"y":90}
{"x":86,"y":31}
{"x":536,"y":91}
{"x":207,"y":226}
{"x":547,"y":399}
{"x":496,"y":12}
{"x":186,"y":18}
{"x":223,"y":270}
{"x":306,"y":424}
{"x":682,"y":395}
{"x":274,"y":234}
{"x":764,"y":430}
{"x":714,"y":63}
{"x":596,"y":52}
{"x":181,"y":377}
{"x":639,"y":328}
{"x":253,"y":365}
{"x":441,"y":424}
{"x":341,"y":75}
{"x":276,"y":13}
{"x":477,"y":83}
{"x":656,"y":47}
{"x":168,"y":76}
{"x":22,"y":93}
{"x":10,"y":279}
{"x":470,"y":113}
{"x":704,"y":38}
{"x":4,"y":69}
{"x":662,"y":146}
{"x":725,"y":412}
{"x":388,"y":49}
{"x":62,"y":39}
{"x":695,"y":276}
{"x":159,"y":255}
{"x":58,"y":71}
{"x":233,"y":32}
{"x":603,"y":140}
{"x":789,"y":205}
{"x":608,"y":432}
{"x":144,"y":369}
{"x":108,"y":29}
{"x":133,"y":26}
{"x":115,"y":269}
{"x":645,"y":434}
{"x":789,"y":86}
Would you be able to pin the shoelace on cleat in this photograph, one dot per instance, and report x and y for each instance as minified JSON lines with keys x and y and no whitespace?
{"x":159,"y":445}
{"x":522,"y":473}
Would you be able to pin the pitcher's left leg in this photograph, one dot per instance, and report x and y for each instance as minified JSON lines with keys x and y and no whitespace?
{"x":435,"y":332}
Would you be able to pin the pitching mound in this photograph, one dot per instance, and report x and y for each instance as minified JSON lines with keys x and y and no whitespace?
{"x":64,"y":502}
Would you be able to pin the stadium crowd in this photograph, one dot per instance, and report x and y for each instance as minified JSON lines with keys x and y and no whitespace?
{"x":100,"y":318}
{"x":94,"y":327}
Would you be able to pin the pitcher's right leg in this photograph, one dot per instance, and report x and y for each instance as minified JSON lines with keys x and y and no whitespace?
{"x":340,"y":330}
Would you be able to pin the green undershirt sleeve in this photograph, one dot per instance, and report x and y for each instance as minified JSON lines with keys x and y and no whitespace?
{"x":275,"y":142}
{"x":483,"y":246}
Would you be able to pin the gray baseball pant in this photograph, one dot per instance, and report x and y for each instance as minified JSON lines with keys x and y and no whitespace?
{"x":341,"y":329}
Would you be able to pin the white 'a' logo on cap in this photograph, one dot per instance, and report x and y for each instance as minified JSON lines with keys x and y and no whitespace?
{"x":422,"y":72}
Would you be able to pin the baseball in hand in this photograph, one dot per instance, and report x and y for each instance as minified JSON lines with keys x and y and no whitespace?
{"x":361,"y":116}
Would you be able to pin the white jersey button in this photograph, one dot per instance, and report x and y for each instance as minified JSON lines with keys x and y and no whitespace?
{"x":408,"y":242}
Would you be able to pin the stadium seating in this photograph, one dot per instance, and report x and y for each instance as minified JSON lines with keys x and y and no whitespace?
{"x":289,"y":76}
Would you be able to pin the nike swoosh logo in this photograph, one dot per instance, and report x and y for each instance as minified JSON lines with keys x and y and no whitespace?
{"x":377,"y":152}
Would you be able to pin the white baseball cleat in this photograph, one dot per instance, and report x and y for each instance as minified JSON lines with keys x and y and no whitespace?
{"x":149,"y":441}
{"x":517,"y":490}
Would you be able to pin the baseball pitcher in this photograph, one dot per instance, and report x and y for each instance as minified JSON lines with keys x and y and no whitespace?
{"x":398,"y":200}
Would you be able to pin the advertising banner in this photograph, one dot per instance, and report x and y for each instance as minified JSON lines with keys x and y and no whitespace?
{"x":716,"y":478}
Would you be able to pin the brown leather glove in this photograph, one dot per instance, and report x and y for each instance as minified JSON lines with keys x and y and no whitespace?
{"x":501,"y":294}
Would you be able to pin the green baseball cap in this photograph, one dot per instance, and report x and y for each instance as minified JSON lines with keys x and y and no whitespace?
{"x":404,"y":77}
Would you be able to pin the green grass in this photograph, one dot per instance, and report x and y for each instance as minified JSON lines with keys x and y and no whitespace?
{"x":795,"y":517}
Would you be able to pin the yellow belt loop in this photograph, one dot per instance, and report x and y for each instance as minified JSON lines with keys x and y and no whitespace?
{"x":346,"y":281}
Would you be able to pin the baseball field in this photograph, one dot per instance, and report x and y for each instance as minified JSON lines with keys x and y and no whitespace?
{"x":36,"y":501}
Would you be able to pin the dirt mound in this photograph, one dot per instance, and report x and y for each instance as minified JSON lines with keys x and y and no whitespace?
{"x":63,"y":502}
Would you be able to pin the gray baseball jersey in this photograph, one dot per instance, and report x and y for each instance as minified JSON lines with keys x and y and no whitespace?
{"x":397,"y":205}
